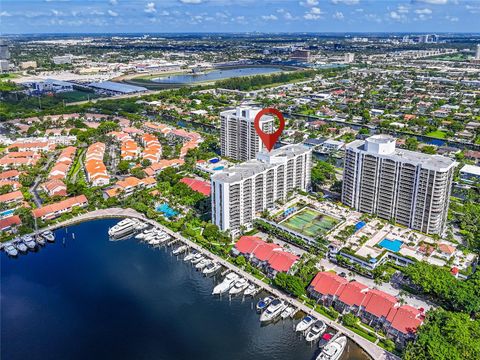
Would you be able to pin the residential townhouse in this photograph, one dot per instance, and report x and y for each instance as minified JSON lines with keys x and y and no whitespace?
{"x":11,"y":197}
{"x":64,"y":161}
{"x":374,"y":307}
{"x":55,"y":187}
{"x":95,"y":169}
{"x":152,"y":148}
{"x":128,"y":185}
{"x":12,"y":175}
{"x":16,"y":159}
{"x":36,"y":146}
{"x":155,"y":168}
{"x":54,"y":210}
{"x":9,"y":223}
{"x":129,"y":150}
{"x":268,"y":256}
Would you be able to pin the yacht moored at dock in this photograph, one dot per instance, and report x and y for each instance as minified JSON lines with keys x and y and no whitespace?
{"x":126,"y":227}
{"x":190,"y":256}
{"x":197,"y":258}
{"x":226,"y":284}
{"x":287,"y":312}
{"x":10,"y":250}
{"x":21,"y":246}
{"x":273,"y":311}
{"x":28,"y":240}
{"x":212,"y":268}
{"x":239,"y":286}
{"x":263,"y":303}
{"x":316,"y":330}
{"x":325,"y":339}
{"x":202,"y":264}
{"x":305,"y":324}
{"x":48,"y":235}
{"x":179,"y":250}
{"x":334,"y":349}
{"x":251,"y":290}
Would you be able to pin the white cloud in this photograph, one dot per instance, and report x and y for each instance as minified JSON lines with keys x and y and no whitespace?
{"x":112,"y":13}
{"x":5,"y":14}
{"x":316,"y":11}
{"x":432,"y":2}
{"x":313,"y":14}
{"x":346,"y":2}
{"x":452,"y":18}
{"x":150,"y":8}
{"x":309,"y":3}
{"x":423,"y":11}
{"x":56,"y":12}
{"x":402,"y":9}
{"x":269,"y":17}
{"x":338,"y":15}
{"x":395,"y":15}
{"x":191,"y":1}
{"x":113,"y":2}
{"x":309,"y":16}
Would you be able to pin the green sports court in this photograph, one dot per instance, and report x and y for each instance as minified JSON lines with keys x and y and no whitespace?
{"x":310,"y":222}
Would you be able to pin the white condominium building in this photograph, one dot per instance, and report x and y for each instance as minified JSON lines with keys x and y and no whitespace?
{"x":239,"y":140}
{"x":407,"y":187}
{"x":241,"y":192}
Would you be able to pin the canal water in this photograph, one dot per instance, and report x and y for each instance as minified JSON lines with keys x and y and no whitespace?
{"x":91,"y":298}
{"x":215,"y":75}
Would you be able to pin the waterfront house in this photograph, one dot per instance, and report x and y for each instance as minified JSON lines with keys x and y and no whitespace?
{"x":402,"y":323}
{"x":376,"y":307}
{"x":55,"y":187}
{"x":54,"y":210}
{"x":268,"y":256}
{"x":326,"y":287}
{"x":351,"y":298}
{"x":9,"y":223}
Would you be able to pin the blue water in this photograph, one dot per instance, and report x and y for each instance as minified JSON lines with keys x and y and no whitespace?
{"x":7,"y":213}
{"x":91,"y":298}
{"x":166,"y":210}
{"x":218,"y":168}
{"x":215,"y":75}
{"x":392,"y":245}
{"x":359,"y":225}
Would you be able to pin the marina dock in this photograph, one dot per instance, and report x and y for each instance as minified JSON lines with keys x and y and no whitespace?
{"x":375,"y":351}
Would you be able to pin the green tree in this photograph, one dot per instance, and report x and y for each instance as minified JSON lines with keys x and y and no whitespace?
{"x":290,"y":284}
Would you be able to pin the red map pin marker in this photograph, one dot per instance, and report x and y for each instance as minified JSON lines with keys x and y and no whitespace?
{"x":269,"y":140}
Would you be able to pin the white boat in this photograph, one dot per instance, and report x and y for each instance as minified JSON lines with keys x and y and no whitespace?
{"x":202,"y":264}
{"x":239,"y":286}
{"x":273,"y":311}
{"x":306,"y":322}
{"x":30,"y":243}
{"x":316,"y":330}
{"x":180,"y":249}
{"x":140,"y":225}
{"x":190,"y":256}
{"x":212,"y":268}
{"x":27,"y":237}
{"x":142,"y":235}
{"x":287,"y":312}
{"x":334,"y":349}
{"x":226,"y":284}
{"x":263,"y":303}
{"x":40,"y":240}
{"x":197,"y":258}
{"x":251,"y":290}
{"x":48,"y":235}
{"x":10,"y":250}
{"x":123,"y":228}
{"x":21,"y":247}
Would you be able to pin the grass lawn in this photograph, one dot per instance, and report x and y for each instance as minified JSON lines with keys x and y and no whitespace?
{"x":437,"y":134}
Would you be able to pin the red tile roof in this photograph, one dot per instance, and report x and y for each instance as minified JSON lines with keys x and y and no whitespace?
{"x":405,"y":319}
{"x":379,"y":303}
{"x":9,"y":221}
{"x":327,"y":283}
{"x":11,"y":196}
{"x":200,"y":186}
{"x":247,"y":244}
{"x":354,"y":293}
{"x":282,"y":261}
{"x":265,"y":250}
{"x":59,"y":206}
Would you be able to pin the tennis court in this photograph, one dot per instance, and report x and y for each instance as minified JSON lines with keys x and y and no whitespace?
{"x":310,"y":222}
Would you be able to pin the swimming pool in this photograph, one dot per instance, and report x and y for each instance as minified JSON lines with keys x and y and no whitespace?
{"x":7,"y":213}
{"x":166,"y":210}
{"x":392,"y":245}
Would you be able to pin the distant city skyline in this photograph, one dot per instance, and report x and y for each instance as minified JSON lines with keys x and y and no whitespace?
{"x":138,"y":16}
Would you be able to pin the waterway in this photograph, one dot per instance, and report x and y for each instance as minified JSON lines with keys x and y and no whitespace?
{"x":213,"y":75}
{"x":91,"y":298}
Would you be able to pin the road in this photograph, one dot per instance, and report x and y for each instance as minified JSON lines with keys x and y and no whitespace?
{"x":375,"y":351}
{"x":33,"y":188}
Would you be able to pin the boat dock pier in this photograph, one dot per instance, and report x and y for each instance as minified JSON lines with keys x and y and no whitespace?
{"x":375,"y":351}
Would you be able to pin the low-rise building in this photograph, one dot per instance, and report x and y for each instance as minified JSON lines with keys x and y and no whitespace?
{"x":470,"y":174}
{"x":11,"y":197}
{"x":54,"y":210}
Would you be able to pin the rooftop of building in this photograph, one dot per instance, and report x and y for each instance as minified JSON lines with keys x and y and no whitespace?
{"x":265,"y":160}
{"x":431,"y":162}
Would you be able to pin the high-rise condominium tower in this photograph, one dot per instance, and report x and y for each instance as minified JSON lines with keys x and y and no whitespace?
{"x":239,"y":140}
{"x":241,"y":192}
{"x":407,"y":187}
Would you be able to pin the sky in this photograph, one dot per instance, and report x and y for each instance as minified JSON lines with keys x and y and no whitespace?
{"x":138,"y":16}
